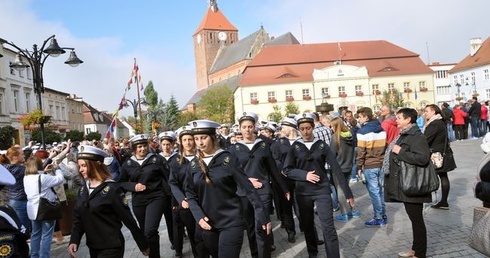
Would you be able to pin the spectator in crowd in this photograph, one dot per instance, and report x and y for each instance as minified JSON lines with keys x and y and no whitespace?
{"x":474,"y":114}
{"x":322,"y":131}
{"x":412,"y":148}
{"x":388,"y":123}
{"x":420,"y":119}
{"x":483,"y":119}
{"x":447,"y":116}
{"x":371,"y":145}
{"x":482,"y":184}
{"x":459,"y":122}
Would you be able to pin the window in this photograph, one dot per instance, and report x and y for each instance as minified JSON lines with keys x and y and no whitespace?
{"x":376,"y":108}
{"x":406,"y":86}
{"x":375,"y":87}
{"x":28,"y":101}
{"x":422,"y":104}
{"x":51,"y":110}
{"x":21,"y":73}
{"x":461,"y":79}
{"x":271,"y":94}
{"x":443,"y":89}
{"x":28,"y":73}
{"x":1,"y":103}
{"x":487,"y":94}
{"x":391,"y":87}
{"x":63,"y":113}
{"x":325,"y":92}
{"x":289,"y":93}
{"x":16,"y":101}
{"x":421,"y":84}
{"x":341,"y":90}
{"x":473,"y":78}
{"x":455,"y":80}
{"x":58,"y":113}
{"x":441,"y":74}
{"x":306,"y":92}
{"x":253,"y":96}
{"x":485,"y":75}
{"x":87,"y":131}
{"x":358,"y":88}
{"x":12,"y":70}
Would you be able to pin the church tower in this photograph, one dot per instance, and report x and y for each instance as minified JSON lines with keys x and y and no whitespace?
{"x":214,"y":32}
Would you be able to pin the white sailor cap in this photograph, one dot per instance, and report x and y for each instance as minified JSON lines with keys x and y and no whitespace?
{"x":203,"y":127}
{"x":167,"y":135}
{"x":271,"y":126}
{"x":6,"y":178}
{"x":289,"y":122}
{"x":224,"y":126}
{"x":237,"y":131}
{"x":91,"y":153}
{"x":184,"y":130}
{"x":305,"y":118}
{"x":248,"y":116}
{"x":139,"y":139}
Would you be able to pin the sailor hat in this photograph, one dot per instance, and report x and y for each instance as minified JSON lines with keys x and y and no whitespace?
{"x":167,"y":135}
{"x":289,"y":122}
{"x":237,"y":131}
{"x":91,"y":153}
{"x":305,"y":118}
{"x":184,"y":130}
{"x":203,"y":127}
{"x":224,"y":126}
{"x":139,"y":139}
{"x":271,"y":126}
{"x":248,"y":116}
{"x":6,"y":178}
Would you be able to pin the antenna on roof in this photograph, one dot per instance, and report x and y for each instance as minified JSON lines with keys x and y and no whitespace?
{"x":301,"y":28}
{"x":428,"y":56}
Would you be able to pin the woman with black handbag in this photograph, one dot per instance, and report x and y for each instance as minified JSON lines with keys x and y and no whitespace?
{"x":412,"y":148}
{"x":437,"y":137}
{"x":39,"y":189}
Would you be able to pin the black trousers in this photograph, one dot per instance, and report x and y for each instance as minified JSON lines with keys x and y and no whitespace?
{"x":224,"y":243}
{"x":107,"y":253}
{"x":324,"y":207}
{"x":149,"y":217}
{"x":459,"y":132}
{"x":259,"y":241}
{"x":414,"y":212}
{"x":183,"y":217}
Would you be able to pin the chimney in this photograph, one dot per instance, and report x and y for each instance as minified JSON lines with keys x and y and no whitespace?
{"x":475,"y":44}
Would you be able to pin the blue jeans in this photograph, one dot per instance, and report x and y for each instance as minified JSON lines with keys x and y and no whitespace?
{"x":353,"y":174}
{"x":475,"y":127}
{"x":374,"y":185}
{"x":20,"y":208}
{"x":42,"y":234}
{"x":333,"y":195}
{"x":483,"y":127}
{"x":450,"y":132}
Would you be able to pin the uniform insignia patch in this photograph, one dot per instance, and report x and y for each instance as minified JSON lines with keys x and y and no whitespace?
{"x":82,"y":148}
{"x":81,"y":191}
{"x":193,"y":164}
{"x":226,"y":161}
{"x":125,"y":201}
{"x":6,"y":250}
{"x":321,"y":146}
{"x":237,"y":147}
{"x":106,"y":190}
{"x":263,"y":145}
{"x":296,"y":147}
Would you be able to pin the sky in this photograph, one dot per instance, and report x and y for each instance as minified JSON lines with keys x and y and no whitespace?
{"x":108,"y":34}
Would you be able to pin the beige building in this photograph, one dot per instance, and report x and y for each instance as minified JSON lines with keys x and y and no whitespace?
{"x":75,"y":112}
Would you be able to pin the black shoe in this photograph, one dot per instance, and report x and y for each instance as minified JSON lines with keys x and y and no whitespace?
{"x":292,"y":237}
{"x":273,"y":248}
{"x":172,"y":247}
{"x":320,"y":242}
{"x":440,"y":206}
{"x":178,"y":254}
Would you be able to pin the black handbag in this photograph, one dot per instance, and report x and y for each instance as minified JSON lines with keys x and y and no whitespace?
{"x":449,"y":163}
{"x":48,"y":210}
{"x":417,"y":181}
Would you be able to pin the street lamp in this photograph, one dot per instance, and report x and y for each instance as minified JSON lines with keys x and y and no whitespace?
{"x":135,"y":104}
{"x":35,"y":60}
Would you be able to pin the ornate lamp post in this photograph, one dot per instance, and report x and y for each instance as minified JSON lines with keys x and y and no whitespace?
{"x":35,"y":60}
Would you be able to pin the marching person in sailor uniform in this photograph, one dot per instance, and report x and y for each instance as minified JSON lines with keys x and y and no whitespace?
{"x":255,"y":157}
{"x":145,"y":175}
{"x":212,"y":182}
{"x":305,"y":163}
{"x":182,"y":215}
{"x":100,"y":210}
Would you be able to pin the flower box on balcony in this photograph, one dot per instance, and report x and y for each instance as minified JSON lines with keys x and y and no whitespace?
{"x":360,"y":93}
{"x":459,"y":98}
{"x":376,"y":92}
{"x":423,"y":89}
{"x":408,"y":90}
{"x":306,"y":97}
{"x":272,"y":100}
{"x":289,"y":98}
{"x":254,"y":101}
{"x":342,"y":95}
{"x":475,"y":94}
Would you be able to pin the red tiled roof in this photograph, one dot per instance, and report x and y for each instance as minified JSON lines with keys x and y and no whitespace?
{"x":481,"y":57}
{"x":295,"y":63}
{"x":215,"y":21}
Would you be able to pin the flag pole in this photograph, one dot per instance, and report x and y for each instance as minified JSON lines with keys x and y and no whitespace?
{"x":138,"y":91}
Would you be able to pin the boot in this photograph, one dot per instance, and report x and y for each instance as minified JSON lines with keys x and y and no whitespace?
{"x":58,"y":238}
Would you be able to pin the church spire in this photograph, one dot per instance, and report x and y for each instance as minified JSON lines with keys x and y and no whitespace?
{"x":213,"y":4}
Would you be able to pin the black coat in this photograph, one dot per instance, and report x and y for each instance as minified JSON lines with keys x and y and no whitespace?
{"x":100,"y":214}
{"x":414,"y":150}
{"x":482,"y":188}
{"x":436,"y":135}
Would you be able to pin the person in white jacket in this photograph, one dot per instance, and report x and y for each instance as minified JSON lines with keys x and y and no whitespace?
{"x":42,"y":230}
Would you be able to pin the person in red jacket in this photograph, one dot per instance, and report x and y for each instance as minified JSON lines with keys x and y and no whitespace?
{"x":388,"y":123}
{"x":483,"y":118}
{"x":458,"y":122}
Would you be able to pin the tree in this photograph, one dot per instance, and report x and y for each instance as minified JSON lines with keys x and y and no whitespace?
{"x":171,"y":113}
{"x":74,"y":135}
{"x":275,"y":116}
{"x":392,"y":98}
{"x":217,"y":104}
{"x":7,"y":134}
{"x":50,"y":136}
{"x":291,"y":109}
{"x":185,"y":117}
{"x":93,"y":136}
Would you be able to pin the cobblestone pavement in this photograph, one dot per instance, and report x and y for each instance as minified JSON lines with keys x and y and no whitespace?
{"x":447,"y":231}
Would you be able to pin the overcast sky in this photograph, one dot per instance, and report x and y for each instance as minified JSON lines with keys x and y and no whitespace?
{"x":109,"y":34}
